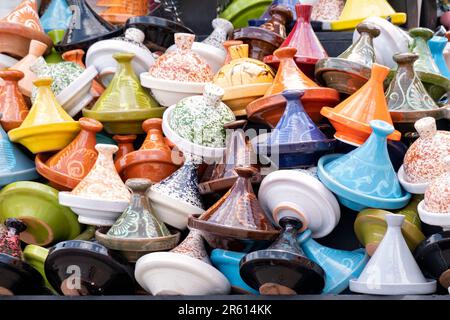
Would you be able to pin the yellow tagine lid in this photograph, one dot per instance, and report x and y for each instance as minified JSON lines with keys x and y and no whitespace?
{"x":47,"y":126}
{"x":356,"y":11}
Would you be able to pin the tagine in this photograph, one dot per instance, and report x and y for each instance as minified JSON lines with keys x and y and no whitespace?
{"x":13,"y":106}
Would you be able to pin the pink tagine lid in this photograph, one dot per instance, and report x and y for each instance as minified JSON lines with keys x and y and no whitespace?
{"x":182,"y":64}
{"x":437,"y":196}
{"x":424,"y":160}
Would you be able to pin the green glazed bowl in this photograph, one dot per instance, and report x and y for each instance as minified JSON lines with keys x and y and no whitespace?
{"x":37,"y":205}
{"x":370,"y":227}
{"x":35,"y":256}
{"x":240,"y":11}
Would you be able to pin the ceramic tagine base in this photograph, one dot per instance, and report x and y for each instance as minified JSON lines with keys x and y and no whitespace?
{"x":416,"y":188}
{"x":133,"y":249}
{"x":433,"y":218}
{"x":100,"y":271}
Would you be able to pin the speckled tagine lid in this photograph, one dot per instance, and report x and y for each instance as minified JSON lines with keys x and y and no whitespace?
{"x":243,"y":79}
{"x":407,"y":98}
{"x":152,"y":161}
{"x":57,"y":16}
{"x":37,"y":206}
{"x":13,"y":106}
{"x":355,"y":11}
{"x":65,"y":169}
{"x":177,"y":197}
{"x":100,"y":271}
{"x":327,"y":10}
{"x":125,"y":104}
{"x":264,"y":40}
{"x":270,"y":108}
{"x":186,"y":270}
{"x":47,"y":127}
{"x":221,"y":176}
{"x":351,"y":70}
{"x":212,"y":49}
{"x":16,"y":276}
{"x":352,"y":116}
{"x":392,"y":270}
{"x":296,"y":141}
{"x":435,"y":83}
{"x":14,"y":165}
{"x":236,"y":222}
{"x":20,"y":27}
{"x":101,"y":196}
{"x":424,"y":160}
{"x":138,"y":231}
{"x":100,"y":54}
{"x":365,"y":177}
{"x":370,"y":226}
{"x":303,"y":38}
{"x":299,"y":194}
{"x":283,"y":268}
{"x":95,"y":28}
{"x":435,"y":208}
{"x":239,"y":12}
{"x":178,"y":74}
{"x":36,"y":50}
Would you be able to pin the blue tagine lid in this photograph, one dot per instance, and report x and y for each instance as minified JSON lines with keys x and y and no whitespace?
{"x":57,"y":16}
{"x":365,"y":177}
{"x":14,"y":165}
{"x":296,"y":139}
{"x":437,"y":46}
{"x":340,"y":266}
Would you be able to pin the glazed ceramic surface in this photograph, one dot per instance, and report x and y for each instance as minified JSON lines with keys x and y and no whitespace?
{"x":57,"y":16}
{"x":66,"y":168}
{"x":340,"y":266}
{"x":424,"y":160}
{"x":101,"y":272}
{"x":186,"y":270}
{"x":243,"y":79}
{"x":392,"y":269}
{"x":239,"y":11}
{"x":270,"y":107}
{"x":392,"y":40}
{"x":154,"y":159}
{"x":125,"y":104}
{"x":350,"y":70}
{"x":365,"y":177}
{"x":299,"y":194}
{"x":177,"y":197}
{"x":100,"y":54}
{"x":283,"y":265}
{"x":303,"y":38}
{"x":101,"y":196}
{"x":37,"y":206}
{"x":21,"y":26}
{"x":94,"y":28}
{"x":120,"y":14}
{"x":54,"y":56}
{"x":296,"y":141}
{"x":236,"y":222}
{"x":356,"y":11}
{"x":352,"y":116}
{"x":35,"y":256}
{"x":437,"y":46}
{"x":13,"y":105}
{"x":327,"y":10}
{"x":7,"y":61}
{"x":47,"y":126}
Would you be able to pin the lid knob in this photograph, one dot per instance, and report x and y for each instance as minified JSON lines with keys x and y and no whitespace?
{"x":135,"y":35}
{"x":426,"y":127}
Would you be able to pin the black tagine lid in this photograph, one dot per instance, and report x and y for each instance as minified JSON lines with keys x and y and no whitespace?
{"x":18,"y":277}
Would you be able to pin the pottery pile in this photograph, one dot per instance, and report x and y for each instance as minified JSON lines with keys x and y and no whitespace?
{"x":161,"y":162}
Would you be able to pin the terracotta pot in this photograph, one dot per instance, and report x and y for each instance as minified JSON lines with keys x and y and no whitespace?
{"x":68,"y":167}
{"x":303,"y":38}
{"x":20,"y":27}
{"x":36,"y":50}
{"x":152,"y":161}
{"x":13,"y":106}
{"x":268,"y":109}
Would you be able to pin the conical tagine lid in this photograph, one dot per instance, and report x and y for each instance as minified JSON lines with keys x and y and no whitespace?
{"x":222,"y":29}
{"x":327,"y":10}
{"x":14,"y":165}
{"x":339,"y":265}
{"x":120,"y":14}
{"x":103,"y":182}
{"x":351,"y":117}
{"x":13,"y":106}
{"x":302,"y":38}
{"x":392,"y":270}
{"x":193,"y":246}
{"x":57,"y":16}
{"x":355,"y":11}
{"x":365,"y":177}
